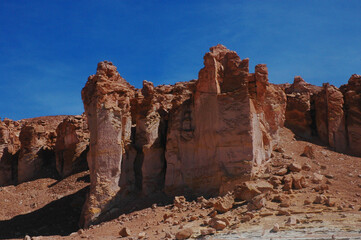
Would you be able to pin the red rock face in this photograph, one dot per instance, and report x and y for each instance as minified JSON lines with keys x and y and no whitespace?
{"x":71,"y":145}
{"x":196,"y":136}
{"x":352,"y":94}
{"x":330,"y":118}
{"x":37,"y":137}
{"x":299,"y":111}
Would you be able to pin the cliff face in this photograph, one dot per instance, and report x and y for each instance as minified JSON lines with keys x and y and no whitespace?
{"x":198,"y":136}
{"x":9,"y":147}
{"x":71,"y":145}
{"x":29,"y":147}
{"x":326,"y":112}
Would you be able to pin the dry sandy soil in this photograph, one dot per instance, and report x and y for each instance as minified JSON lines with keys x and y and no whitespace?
{"x":50,"y":209}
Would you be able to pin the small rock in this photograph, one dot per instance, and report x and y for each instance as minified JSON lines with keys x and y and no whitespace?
{"x":184,"y":233}
{"x":276,"y":228}
{"x":154,"y":206}
{"x":307,"y":202}
{"x":208,"y":231}
{"x":257,"y":203}
{"x":329,"y":176}
{"x":282,"y":212}
{"x":179,"y":201}
{"x":308,"y":152}
{"x":320,"y":199}
{"x":287,"y":180}
{"x":330,"y":202}
{"x":291,"y":221}
{"x":281,"y":172}
{"x":27,"y":237}
{"x":223,"y":205}
{"x":298,"y":181}
{"x":294,"y":167}
{"x":219,"y":225}
{"x":141,"y":235}
{"x":306,"y":167}
{"x":317,"y":178}
{"x":125,"y":232}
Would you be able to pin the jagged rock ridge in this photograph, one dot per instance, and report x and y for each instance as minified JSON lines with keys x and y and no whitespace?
{"x":198,"y":136}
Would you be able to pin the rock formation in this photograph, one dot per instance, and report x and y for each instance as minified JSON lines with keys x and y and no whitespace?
{"x":9,"y":147}
{"x":326,"y":112}
{"x":71,"y":145}
{"x":198,"y":136}
{"x":300,"y":107}
{"x":37,"y":138}
{"x":330,"y":118}
{"x":352,"y":95}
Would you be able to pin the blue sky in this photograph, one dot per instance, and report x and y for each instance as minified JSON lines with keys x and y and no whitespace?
{"x":49,"y":48}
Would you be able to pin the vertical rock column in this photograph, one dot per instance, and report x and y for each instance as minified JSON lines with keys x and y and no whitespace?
{"x":71,"y":145}
{"x":352,"y":93}
{"x":330,"y":118}
{"x":106,"y":98}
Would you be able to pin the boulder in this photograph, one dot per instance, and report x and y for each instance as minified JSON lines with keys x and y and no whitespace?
{"x":184,"y":234}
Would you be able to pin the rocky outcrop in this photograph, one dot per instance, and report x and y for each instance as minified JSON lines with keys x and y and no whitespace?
{"x":71,"y":145}
{"x":107,"y":98}
{"x":198,"y":136}
{"x":330,"y":118}
{"x":37,"y":138}
{"x":9,"y":147}
{"x":326,"y":112}
{"x":300,"y":107}
{"x":225,"y":129}
{"x":352,"y":95}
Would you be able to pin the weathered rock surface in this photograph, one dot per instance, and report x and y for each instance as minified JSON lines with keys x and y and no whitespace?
{"x":225,"y":129}
{"x":330,"y":117}
{"x":352,"y":95}
{"x":9,"y":147}
{"x":198,"y":136}
{"x":71,"y":145}
{"x":37,"y":138}
{"x":300,"y":110}
{"x":330,"y":113}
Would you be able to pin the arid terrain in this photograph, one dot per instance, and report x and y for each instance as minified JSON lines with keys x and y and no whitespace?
{"x":50,"y":209}
{"x":226,"y":156}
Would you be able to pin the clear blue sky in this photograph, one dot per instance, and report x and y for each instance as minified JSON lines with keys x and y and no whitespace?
{"x":49,"y":48}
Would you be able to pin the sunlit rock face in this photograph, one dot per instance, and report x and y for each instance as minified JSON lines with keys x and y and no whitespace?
{"x":200,"y":136}
{"x":71,"y":145}
{"x":225,"y":129}
{"x":36,"y":154}
{"x":330,"y":117}
{"x":352,"y":96}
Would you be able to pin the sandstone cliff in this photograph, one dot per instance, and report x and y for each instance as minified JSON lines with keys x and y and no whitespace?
{"x":29,"y":147}
{"x":198,"y":136}
{"x":329,"y":113}
{"x":71,"y":145}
